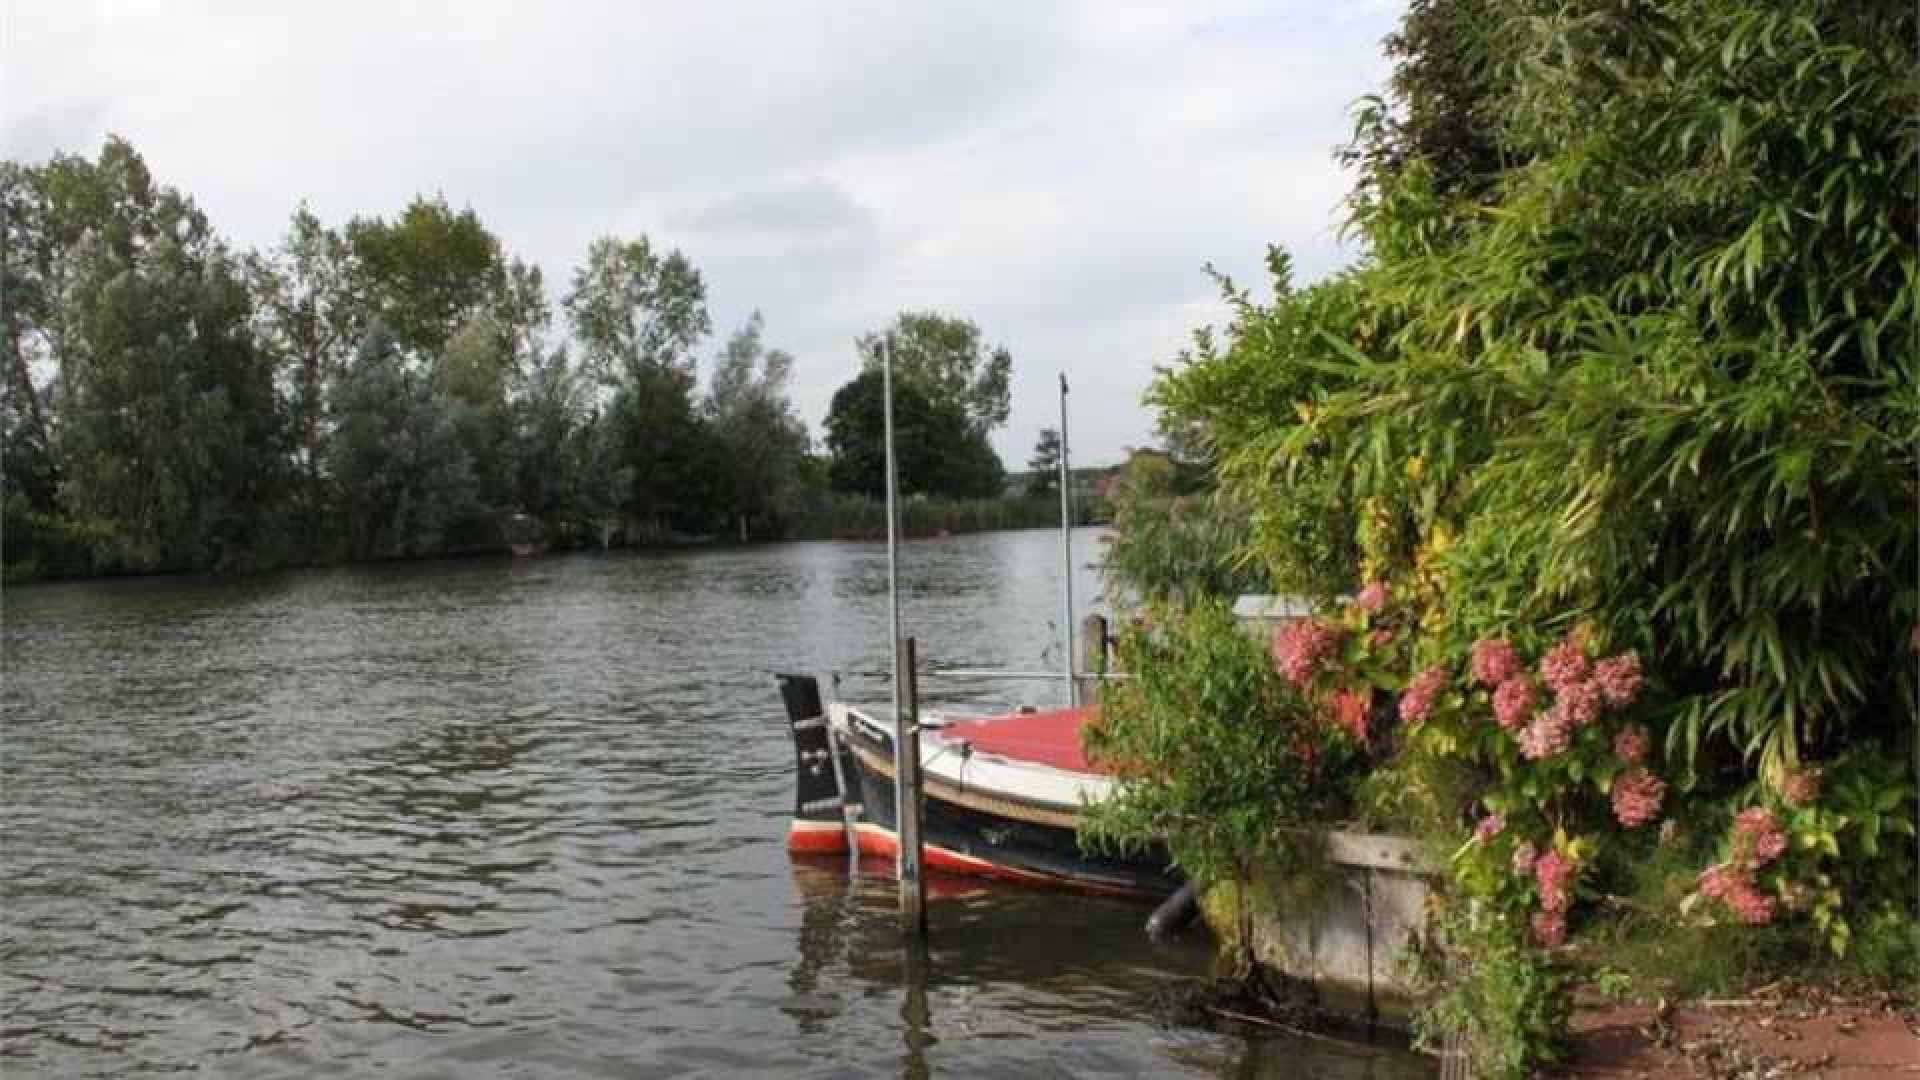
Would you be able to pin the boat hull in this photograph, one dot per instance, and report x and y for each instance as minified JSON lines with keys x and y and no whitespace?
{"x":964,"y":829}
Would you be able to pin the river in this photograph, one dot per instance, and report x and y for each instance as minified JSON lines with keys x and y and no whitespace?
{"x":526,"y":818}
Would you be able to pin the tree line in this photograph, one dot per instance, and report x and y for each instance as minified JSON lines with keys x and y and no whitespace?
{"x":401,"y":387}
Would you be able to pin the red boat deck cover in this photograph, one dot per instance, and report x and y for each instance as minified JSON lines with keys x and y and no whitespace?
{"x":1044,"y":738}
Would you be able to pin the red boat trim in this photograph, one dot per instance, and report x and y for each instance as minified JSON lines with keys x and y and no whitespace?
{"x":830,"y":837}
{"x":817,"y":838}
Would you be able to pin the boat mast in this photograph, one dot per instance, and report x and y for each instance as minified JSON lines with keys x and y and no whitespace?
{"x":1066,"y":550}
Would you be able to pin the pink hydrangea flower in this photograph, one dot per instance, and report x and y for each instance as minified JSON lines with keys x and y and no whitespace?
{"x":1353,"y":709}
{"x":1300,"y":646}
{"x":1549,"y":734}
{"x":1718,"y":880}
{"x":1632,"y":744}
{"x":1801,"y":787}
{"x":1550,"y":928}
{"x":1554,"y":873}
{"x":1566,"y":663}
{"x":1373,"y":598}
{"x":1755,"y":830}
{"x":1619,"y":678}
{"x":1524,"y":856}
{"x":1489,"y":827}
{"x":1578,"y":702}
{"x":1495,"y":660}
{"x":1636,"y":797}
{"x":1750,"y":905}
{"x":1513,"y":702}
{"x":1417,"y":703}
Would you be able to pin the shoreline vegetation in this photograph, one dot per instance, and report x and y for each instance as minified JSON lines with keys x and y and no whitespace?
{"x":840,"y":519}
{"x":1599,"y":472}
{"x":400,"y":387}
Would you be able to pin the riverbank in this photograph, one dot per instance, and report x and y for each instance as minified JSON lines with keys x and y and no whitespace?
{"x":1779,"y":1030}
{"x":850,"y":518}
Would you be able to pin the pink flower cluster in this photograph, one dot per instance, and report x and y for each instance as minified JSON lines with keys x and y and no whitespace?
{"x":1495,"y":660}
{"x":1566,"y":663}
{"x":1801,"y":787}
{"x":1417,"y":703}
{"x":1554,"y":873}
{"x":1549,"y":734}
{"x":1618,"y":678}
{"x":1636,"y":796}
{"x":1352,"y":709}
{"x":1373,"y":598}
{"x":1513,"y":702}
{"x":1632,"y":744}
{"x":1300,"y":646}
{"x":1578,"y":703}
{"x":1758,"y":835}
{"x":1489,"y":827}
{"x":1734,"y":887}
{"x":1758,"y":839}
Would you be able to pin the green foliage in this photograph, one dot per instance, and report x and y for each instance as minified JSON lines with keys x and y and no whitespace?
{"x":1633,"y":348}
{"x":427,"y":273}
{"x":636,"y":311}
{"x":168,"y":425}
{"x":1507,"y":1008}
{"x":1217,"y":755}
{"x":404,"y":476}
{"x":938,"y":450}
{"x":835,"y":515}
{"x":760,"y":440}
{"x":949,"y":362}
{"x":1172,"y":543}
{"x":1043,"y":477}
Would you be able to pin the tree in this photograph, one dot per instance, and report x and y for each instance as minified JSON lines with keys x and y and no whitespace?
{"x":405,"y":477}
{"x":637,"y":316}
{"x":169,"y":431}
{"x":938,"y":450}
{"x":947,"y":361}
{"x":311,"y":312}
{"x":550,"y":412}
{"x":761,"y":441}
{"x":633,"y":309}
{"x":1044,"y":478}
{"x":427,"y":273}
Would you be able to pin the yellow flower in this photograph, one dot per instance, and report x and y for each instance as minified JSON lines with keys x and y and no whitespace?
{"x":1416,"y":467}
{"x":1304,"y":411}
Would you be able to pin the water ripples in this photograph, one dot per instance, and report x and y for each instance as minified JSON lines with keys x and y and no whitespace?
{"x":513,"y":819}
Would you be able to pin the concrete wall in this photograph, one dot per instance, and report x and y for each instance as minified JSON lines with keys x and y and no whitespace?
{"x":1339,"y":929}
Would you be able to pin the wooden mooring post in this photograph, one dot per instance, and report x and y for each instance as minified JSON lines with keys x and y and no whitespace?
{"x":1095,"y":648}
{"x":908,"y":794}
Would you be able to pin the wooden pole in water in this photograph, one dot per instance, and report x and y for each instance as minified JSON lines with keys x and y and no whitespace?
{"x":1093,"y":642}
{"x":908,"y":797}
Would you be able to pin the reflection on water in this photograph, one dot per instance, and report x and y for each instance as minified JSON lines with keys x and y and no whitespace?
{"x":504,"y":818}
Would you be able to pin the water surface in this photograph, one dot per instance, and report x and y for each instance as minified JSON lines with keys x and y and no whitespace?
{"x":497,"y":818}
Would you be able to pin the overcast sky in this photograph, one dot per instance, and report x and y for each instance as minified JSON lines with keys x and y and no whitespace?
{"x":1059,"y":173}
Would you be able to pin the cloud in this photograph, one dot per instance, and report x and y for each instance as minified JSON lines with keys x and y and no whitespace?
{"x":1060,"y":173}
{"x":801,"y":207}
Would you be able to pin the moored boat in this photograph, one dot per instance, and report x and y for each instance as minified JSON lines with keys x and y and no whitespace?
{"x":1004,"y":796}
